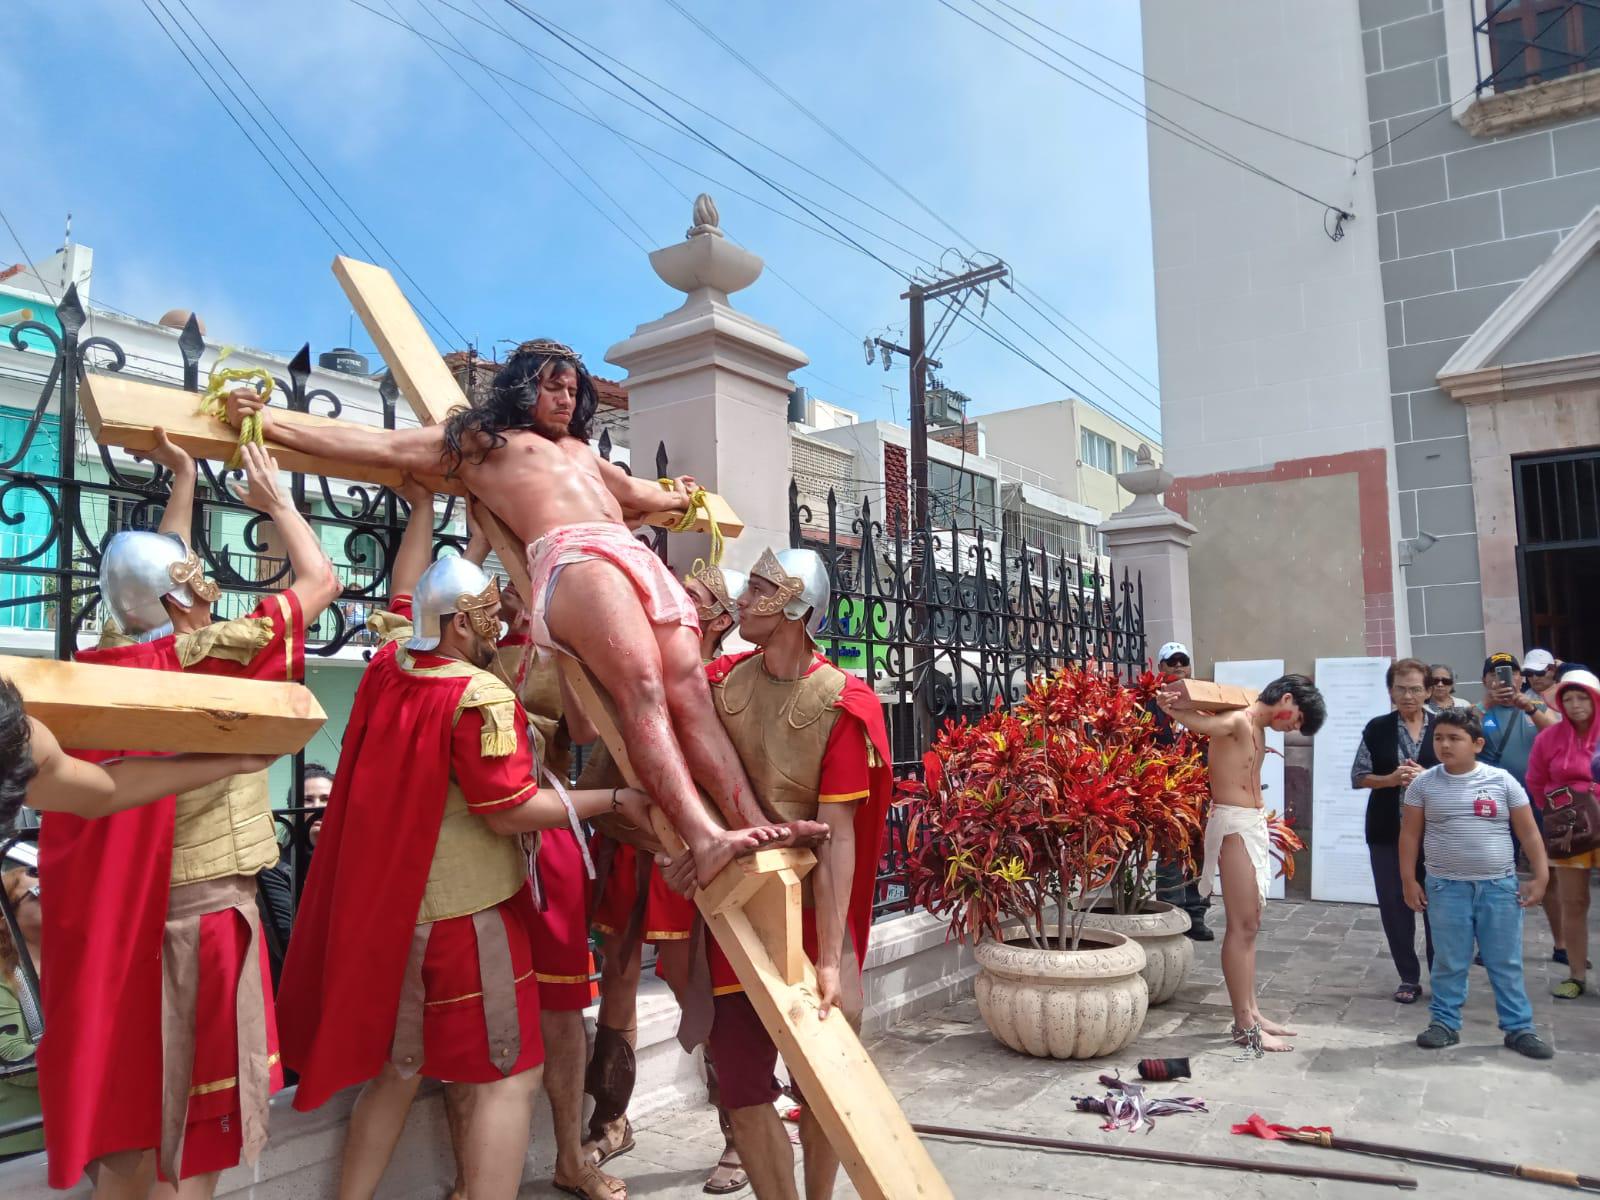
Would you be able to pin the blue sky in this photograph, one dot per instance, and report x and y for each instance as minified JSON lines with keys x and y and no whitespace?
{"x":102,"y":118}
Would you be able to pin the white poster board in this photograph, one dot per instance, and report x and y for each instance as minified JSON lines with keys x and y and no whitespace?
{"x":1255,"y":674}
{"x":1355,"y":693}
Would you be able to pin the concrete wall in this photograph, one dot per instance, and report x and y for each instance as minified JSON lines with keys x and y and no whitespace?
{"x":1462,"y":220}
{"x":1272,"y":344}
{"x":1267,"y":572}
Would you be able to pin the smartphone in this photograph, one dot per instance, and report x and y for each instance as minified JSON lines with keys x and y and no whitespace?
{"x":1505,"y":676}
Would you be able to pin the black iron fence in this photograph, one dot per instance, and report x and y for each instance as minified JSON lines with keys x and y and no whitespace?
{"x":944,"y":621}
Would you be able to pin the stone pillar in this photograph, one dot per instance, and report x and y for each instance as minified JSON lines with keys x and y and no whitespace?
{"x":1151,"y":541}
{"x":713,"y":385}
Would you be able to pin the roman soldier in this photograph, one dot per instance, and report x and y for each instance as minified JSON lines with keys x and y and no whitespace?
{"x":162,"y":1048}
{"x":812,"y":738}
{"x":416,"y":946}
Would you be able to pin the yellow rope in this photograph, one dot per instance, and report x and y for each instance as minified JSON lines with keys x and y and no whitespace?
{"x":213,"y":402}
{"x":698,"y":507}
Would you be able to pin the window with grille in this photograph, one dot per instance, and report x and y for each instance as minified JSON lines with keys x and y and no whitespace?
{"x":1097,"y":451}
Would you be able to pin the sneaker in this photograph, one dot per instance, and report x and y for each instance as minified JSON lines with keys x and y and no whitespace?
{"x":1437,"y":1037}
{"x":1568,"y":989}
{"x":1529,"y":1044}
{"x":1199,"y":931}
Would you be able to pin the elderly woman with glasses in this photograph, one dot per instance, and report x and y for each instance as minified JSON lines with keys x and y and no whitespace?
{"x":1442,"y":690}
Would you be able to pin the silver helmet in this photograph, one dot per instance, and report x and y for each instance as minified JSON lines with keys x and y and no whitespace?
{"x":725,"y":586}
{"x":138,"y":568}
{"x":801,"y":578}
{"x":454,"y":585}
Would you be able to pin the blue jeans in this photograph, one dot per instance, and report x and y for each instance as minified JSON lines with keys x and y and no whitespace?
{"x":1485,"y":911}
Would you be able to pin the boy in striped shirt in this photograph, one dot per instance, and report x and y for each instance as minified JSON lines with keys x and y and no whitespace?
{"x":1461,"y":814}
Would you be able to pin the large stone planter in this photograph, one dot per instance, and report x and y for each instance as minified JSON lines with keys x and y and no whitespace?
{"x":1161,"y":931}
{"x":1081,"y":1003}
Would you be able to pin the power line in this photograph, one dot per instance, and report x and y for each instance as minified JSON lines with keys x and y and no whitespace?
{"x":522,"y":137}
{"x":1167,"y":87}
{"x":1155,"y":121}
{"x":389,"y":254}
{"x":1092,"y":355}
{"x":1022,"y":287}
{"x":23,"y":250}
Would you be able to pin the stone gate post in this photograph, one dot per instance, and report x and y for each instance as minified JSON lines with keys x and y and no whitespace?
{"x":1152,"y":541}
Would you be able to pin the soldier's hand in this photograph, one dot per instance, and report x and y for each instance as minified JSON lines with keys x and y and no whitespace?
{"x":829,"y":993}
{"x":415,"y":493}
{"x":261,"y":492}
{"x":170,"y":455}
{"x":241,"y":402}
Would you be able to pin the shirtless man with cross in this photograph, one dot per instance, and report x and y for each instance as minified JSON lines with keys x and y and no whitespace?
{"x":599,"y":594}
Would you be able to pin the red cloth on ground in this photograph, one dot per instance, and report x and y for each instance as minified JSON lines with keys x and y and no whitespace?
{"x":847,"y":777}
{"x":340,"y":991}
{"x":100,"y":1068}
{"x":561,"y":931}
{"x":1259,"y":1126}
{"x":455,"y":1037}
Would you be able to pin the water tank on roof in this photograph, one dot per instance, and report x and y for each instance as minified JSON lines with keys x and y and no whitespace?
{"x":344,"y":360}
{"x":799,"y":406}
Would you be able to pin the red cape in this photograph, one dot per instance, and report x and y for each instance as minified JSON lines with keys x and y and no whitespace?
{"x":100,"y":1066}
{"x":859,"y":701}
{"x":340,"y":993}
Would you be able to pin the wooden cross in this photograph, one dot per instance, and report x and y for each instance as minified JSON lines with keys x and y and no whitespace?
{"x":1216,"y":697}
{"x":92,"y":706}
{"x":753,"y":905}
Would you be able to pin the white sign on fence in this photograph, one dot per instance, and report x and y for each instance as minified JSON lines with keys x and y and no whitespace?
{"x":1355,"y":692}
{"x":1256,"y":674}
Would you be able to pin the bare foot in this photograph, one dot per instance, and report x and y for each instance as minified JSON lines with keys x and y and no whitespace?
{"x":1257,"y":1041}
{"x":804,"y":835}
{"x":1274,"y":1028}
{"x":728,"y":844}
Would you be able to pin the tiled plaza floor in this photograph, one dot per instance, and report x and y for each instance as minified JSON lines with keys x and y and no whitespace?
{"x":1322,"y":967}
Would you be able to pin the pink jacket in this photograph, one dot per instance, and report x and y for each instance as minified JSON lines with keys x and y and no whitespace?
{"x":1560,"y":757}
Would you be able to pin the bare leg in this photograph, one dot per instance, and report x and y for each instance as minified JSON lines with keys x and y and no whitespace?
{"x":376,"y":1123}
{"x":764,"y":1149}
{"x":1573,"y":887}
{"x":566,"y":1051}
{"x":499,"y":1127}
{"x":711,"y":757}
{"x":595,"y":612}
{"x":126,"y":1175}
{"x":674,"y":959}
{"x":821,"y":1164}
{"x":1552,"y":913}
{"x":619,"y":1010}
{"x":1243,"y":903}
{"x":196,"y":1187}
{"x":457,"y":1099}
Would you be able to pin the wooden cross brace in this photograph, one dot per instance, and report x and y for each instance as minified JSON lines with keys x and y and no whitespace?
{"x":92,"y":706}
{"x":1217,"y":697}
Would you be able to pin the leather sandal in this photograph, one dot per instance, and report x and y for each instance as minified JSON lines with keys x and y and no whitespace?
{"x":593,"y":1184}
{"x":727,"y":1176}
{"x":603,"y":1150}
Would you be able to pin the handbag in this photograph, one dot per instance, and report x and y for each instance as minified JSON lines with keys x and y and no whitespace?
{"x":1571,"y":821}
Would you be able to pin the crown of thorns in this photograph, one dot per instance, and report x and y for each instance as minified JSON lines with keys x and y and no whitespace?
{"x":551,"y":348}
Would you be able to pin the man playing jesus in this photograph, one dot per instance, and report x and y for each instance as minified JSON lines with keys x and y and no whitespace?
{"x":599,"y":594}
{"x":1237,"y":841}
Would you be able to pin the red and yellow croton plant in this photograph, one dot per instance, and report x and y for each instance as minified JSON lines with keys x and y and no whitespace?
{"x":1068,"y":794}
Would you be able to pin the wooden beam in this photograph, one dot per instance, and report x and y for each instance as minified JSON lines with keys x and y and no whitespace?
{"x":1216,"y":697}
{"x":425,"y":381}
{"x":753,"y":910}
{"x":91,"y":706}
{"x":126,"y":412}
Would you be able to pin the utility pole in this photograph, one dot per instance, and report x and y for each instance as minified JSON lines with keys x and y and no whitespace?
{"x":918,"y":295}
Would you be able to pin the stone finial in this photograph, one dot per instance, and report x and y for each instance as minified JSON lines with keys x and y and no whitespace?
{"x":1146,"y":456}
{"x":707,"y":221}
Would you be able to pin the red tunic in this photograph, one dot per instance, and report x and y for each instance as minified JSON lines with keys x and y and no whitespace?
{"x":340,"y":993}
{"x":100,"y":1068}
{"x":668,"y":917}
{"x":849,"y":775}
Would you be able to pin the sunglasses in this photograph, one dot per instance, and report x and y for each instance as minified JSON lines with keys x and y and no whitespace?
{"x":1445,"y":682}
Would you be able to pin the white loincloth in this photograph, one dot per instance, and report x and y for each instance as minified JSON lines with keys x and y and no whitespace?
{"x":1251,"y":826}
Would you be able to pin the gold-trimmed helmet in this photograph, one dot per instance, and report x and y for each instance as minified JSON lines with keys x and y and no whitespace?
{"x":801,"y":578}
{"x":724,"y":584}
{"x":138,"y":568}
{"x":453,"y":585}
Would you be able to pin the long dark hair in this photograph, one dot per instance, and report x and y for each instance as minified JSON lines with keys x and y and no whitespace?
{"x":17,"y":767}
{"x":479,"y":428}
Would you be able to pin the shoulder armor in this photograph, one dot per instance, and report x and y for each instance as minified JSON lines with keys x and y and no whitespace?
{"x":238,"y":641}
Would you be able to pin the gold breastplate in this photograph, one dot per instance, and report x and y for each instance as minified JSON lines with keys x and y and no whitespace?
{"x":473,"y":867}
{"x":780,"y":727}
{"x":224,"y":828}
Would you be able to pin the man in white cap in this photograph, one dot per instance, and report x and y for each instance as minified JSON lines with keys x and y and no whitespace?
{"x":156,"y":906}
{"x":1173,"y":883}
{"x":1540,"y":670}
